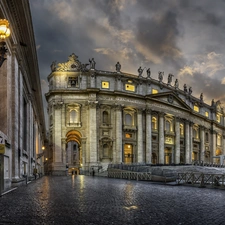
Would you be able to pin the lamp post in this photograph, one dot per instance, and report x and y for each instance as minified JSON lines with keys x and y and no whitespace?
{"x":4,"y":33}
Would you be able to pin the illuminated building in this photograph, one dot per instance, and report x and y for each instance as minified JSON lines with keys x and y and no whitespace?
{"x":114,"y":117}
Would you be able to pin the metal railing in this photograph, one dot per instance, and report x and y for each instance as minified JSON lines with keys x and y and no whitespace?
{"x":201,"y":179}
{"x":129,"y":175}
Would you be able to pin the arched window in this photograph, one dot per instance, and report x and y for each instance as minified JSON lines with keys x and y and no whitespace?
{"x":105,"y":151}
{"x":73,"y":116}
{"x":128,"y":120}
{"x":219,"y":140}
{"x":181,"y":129}
{"x":154,"y":123}
{"x":196,"y":132}
{"x":105,"y":117}
{"x":168,"y":125}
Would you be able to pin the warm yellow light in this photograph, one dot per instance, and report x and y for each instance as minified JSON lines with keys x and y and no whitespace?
{"x":196,"y":108}
{"x":154,"y":91}
{"x":46,"y":159}
{"x":81,"y":164}
{"x":128,"y":146}
{"x":4,"y":29}
{"x":43,"y":148}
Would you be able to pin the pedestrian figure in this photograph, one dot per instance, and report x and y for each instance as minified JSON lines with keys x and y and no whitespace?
{"x":93,"y":172}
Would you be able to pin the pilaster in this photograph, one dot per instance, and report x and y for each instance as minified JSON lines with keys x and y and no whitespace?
{"x":148,"y":136}
{"x":187,"y":142}
{"x":177,"y":144}
{"x":161,"y":138}
{"x":140,"y":157}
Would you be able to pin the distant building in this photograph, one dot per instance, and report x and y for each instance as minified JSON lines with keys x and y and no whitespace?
{"x":99,"y":117}
{"x":22,"y":125}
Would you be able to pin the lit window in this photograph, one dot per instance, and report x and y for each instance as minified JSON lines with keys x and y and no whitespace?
{"x":218,"y":140}
{"x":181,"y":129}
{"x":154,"y":91}
{"x":206,"y":114}
{"x":196,"y":108}
{"x":128,"y":135}
{"x":218,"y":118}
{"x":105,"y":84}
{"x":129,"y":87}
{"x":154,"y":123}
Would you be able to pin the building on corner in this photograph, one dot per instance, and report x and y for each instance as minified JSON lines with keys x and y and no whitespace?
{"x":100,"y":117}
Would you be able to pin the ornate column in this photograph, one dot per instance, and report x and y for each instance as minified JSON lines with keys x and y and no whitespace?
{"x":118,"y":146}
{"x":187,"y":142}
{"x":140,"y":157}
{"x":177,"y":143}
{"x":148,"y":136}
{"x":161,"y":138}
{"x":92,"y":131}
{"x":57,"y":148}
{"x":202,"y":145}
{"x":191,"y":142}
{"x":64,"y":151}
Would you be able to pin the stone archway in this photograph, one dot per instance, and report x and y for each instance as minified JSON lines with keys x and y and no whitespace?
{"x":73,"y":151}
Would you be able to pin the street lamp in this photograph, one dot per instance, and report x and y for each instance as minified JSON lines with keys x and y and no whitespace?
{"x":4,"y":33}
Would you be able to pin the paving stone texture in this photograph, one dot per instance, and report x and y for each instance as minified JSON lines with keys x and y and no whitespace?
{"x":102,"y":201}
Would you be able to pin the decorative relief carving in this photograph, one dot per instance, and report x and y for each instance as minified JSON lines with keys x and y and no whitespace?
{"x":72,"y":64}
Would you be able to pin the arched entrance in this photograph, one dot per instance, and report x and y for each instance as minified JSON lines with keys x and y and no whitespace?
{"x":73,"y":152}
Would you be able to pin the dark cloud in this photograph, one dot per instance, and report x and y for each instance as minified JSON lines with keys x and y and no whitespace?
{"x":173,"y":32}
{"x":159,"y":35}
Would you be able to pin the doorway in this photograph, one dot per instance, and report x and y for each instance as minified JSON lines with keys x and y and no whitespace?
{"x":128,"y":153}
{"x":168,"y":155}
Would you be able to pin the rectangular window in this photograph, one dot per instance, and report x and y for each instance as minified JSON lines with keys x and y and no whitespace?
{"x":196,"y":108}
{"x":72,"y":82}
{"x":105,"y":84}
{"x":129,"y":87}
{"x":128,"y":135}
{"x":206,"y":114}
{"x":154,"y":91}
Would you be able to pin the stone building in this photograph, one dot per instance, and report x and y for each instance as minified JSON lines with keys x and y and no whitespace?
{"x":99,"y":117}
{"x":22,"y":125}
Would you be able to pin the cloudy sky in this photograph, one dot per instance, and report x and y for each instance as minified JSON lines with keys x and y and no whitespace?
{"x":182,"y":37}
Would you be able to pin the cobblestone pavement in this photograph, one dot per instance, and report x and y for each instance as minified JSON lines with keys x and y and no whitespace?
{"x":103,"y":201}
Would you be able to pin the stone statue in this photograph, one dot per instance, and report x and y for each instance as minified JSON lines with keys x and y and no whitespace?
{"x":185,"y":88}
{"x":92,"y":64}
{"x":53,"y":66}
{"x":212,"y":103}
{"x":170,"y":77}
{"x":140,"y":71}
{"x":118,"y":67}
{"x":176,"y":85}
{"x":148,"y":73}
{"x":161,"y":74}
{"x":201,"y":97}
{"x":190,"y":90}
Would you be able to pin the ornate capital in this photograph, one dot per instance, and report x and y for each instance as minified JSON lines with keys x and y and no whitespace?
{"x":148,"y":111}
{"x":92,"y":104}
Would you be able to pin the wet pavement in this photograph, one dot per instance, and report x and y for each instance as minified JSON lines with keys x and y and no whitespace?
{"x":102,"y":201}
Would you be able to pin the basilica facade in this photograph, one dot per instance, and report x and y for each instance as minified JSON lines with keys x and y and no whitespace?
{"x":99,"y":117}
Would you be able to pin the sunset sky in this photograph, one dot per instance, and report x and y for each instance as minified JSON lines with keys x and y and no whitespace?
{"x":182,"y":37}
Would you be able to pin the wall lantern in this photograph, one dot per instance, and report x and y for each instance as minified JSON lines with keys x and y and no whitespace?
{"x":4,"y":33}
